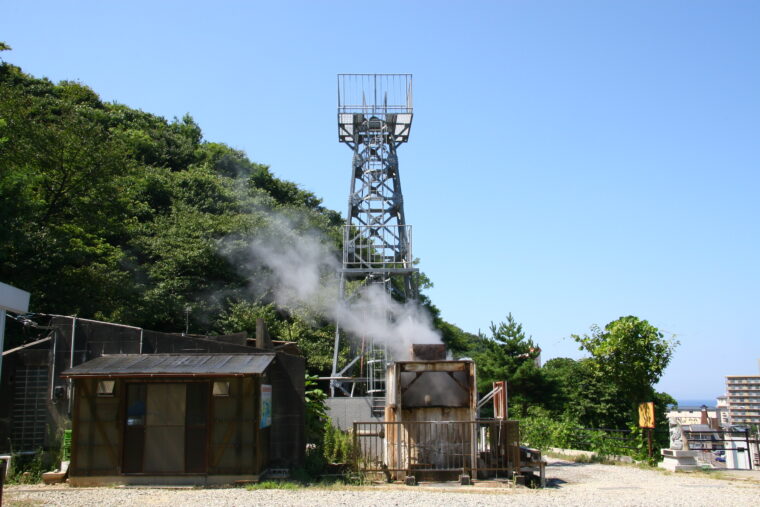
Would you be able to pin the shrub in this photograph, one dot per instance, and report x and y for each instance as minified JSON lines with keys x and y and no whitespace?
{"x":541,"y":431}
{"x":27,"y":469}
{"x":338,"y":445}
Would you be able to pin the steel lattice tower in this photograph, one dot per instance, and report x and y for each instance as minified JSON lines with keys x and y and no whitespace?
{"x":374,"y":119}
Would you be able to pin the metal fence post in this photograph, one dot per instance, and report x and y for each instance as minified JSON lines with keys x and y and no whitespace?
{"x":355,"y":451}
{"x":749,"y":450}
{"x":3,"y":463}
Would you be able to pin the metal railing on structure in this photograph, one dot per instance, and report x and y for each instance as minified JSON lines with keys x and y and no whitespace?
{"x":375,"y":93}
{"x":377,"y":247}
{"x":438,"y":450}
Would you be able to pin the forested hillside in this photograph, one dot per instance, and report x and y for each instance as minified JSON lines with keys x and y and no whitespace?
{"x":117,"y":214}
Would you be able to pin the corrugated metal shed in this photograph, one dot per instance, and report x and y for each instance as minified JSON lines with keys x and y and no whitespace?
{"x":206,"y":365}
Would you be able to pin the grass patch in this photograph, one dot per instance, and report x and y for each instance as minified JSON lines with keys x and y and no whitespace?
{"x":331,"y":483}
{"x":715,"y":474}
{"x":719,"y":474}
{"x":24,"y":503}
{"x":582,"y":458}
{"x":273,"y":485}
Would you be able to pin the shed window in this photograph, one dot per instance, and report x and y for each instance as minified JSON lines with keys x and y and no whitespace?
{"x":106,"y":387}
{"x":221,"y":388}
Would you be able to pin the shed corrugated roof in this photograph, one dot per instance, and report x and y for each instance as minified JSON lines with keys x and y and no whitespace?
{"x":128,"y":365}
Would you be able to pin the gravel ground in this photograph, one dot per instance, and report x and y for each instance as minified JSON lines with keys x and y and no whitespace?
{"x":568,"y":484}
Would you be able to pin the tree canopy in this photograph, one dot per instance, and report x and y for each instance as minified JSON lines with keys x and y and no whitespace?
{"x":626,"y":360}
{"x":630,"y":354}
{"x":510,"y":355}
{"x":120,"y":215}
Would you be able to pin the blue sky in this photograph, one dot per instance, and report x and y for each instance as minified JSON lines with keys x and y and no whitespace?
{"x":570,"y":162}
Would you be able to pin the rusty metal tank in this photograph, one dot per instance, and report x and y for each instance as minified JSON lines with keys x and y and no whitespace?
{"x":431,"y":402}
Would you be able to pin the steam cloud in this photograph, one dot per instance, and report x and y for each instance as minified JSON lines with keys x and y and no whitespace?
{"x":305,"y":271}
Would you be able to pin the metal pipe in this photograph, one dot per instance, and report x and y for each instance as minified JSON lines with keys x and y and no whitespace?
{"x":52,"y":370}
{"x":87,"y":320}
{"x":73,"y":338}
{"x":749,"y":452}
{"x":71,"y":360}
{"x":26,"y":345}
{"x":336,"y":345}
{"x":2,"y":346}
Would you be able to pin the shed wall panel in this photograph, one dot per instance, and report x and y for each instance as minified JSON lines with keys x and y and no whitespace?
{"x":287,"y":433}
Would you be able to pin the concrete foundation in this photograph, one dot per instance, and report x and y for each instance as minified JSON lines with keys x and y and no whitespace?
{"x":679,"y":461}
{"x":161,"y":480}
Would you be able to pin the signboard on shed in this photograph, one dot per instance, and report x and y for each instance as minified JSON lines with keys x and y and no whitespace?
{"x":266,"y":406}
{"x":646,"y":414}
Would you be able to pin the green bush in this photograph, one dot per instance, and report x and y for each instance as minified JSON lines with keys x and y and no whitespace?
{"x":27,"y":469}
{"x":314,"y":466}
{"x":541,"y":431}
{"x":316,"y":411}
{"x":338,"y":445}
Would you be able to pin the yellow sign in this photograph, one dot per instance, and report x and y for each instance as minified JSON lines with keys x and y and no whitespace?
{"x":646,"y":414}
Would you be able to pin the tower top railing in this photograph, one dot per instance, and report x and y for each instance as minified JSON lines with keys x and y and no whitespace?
{"x":375,"y":93}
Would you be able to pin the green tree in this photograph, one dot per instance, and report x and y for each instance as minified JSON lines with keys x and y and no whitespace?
{"x":565,"y":374}
{"x":3,"y":124}
{"x":314,"y":336}
{"x":118,"y":214}
{"x":510,"y":355}
{"x":629,"y":354}
{"x":62,"y":180}
{"x":582,"y":394}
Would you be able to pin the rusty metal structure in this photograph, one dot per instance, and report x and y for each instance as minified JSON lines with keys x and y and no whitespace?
{"x":430,"y":403}
{"x":432,"y":430}
{"x":374,"y":120}
{"x":438,"y":450}
{"x":431,"y":388}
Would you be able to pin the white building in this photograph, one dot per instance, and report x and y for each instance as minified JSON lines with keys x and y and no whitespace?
{"x":743,"y":393}
{"x":691,"y":415}
{"x":722,"y":408}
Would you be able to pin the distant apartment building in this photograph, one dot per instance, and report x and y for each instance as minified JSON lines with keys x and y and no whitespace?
{"x":743,"y":393}
{"x":722,"y":409}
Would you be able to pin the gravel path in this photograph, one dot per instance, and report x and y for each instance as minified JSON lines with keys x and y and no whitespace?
{"x":569,"y":484}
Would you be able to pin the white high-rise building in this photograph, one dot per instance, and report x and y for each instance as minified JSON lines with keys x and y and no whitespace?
{"x":743,"y":393}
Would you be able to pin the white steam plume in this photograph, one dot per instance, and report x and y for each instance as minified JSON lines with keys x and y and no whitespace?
{"x":305,"y":270}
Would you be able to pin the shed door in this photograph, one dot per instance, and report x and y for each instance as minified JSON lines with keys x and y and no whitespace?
{"x":166,"y":428}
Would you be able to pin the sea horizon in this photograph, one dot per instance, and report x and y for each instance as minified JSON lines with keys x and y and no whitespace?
{"x":696,"y":402}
